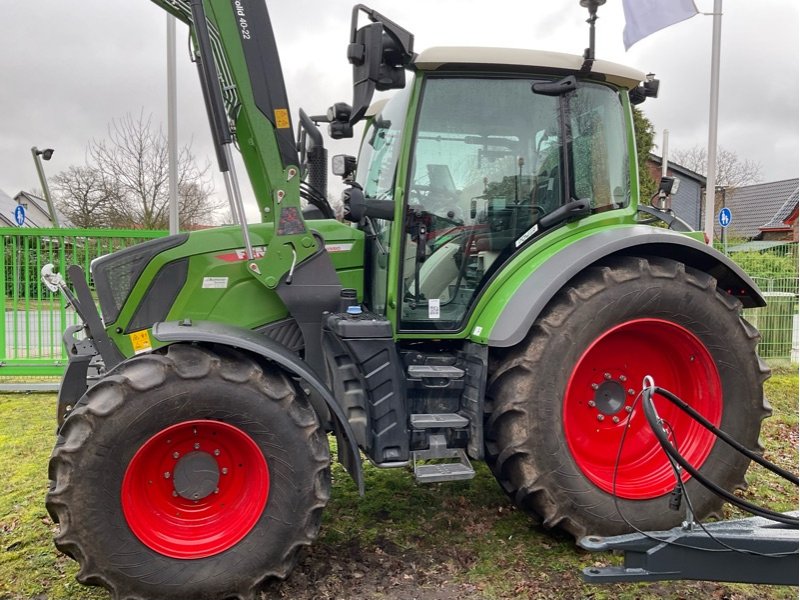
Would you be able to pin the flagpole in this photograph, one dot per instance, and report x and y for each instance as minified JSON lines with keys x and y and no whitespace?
{"x":713,"y":114}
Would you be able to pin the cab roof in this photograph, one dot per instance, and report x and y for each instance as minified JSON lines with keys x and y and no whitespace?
{"x":462,"y":57}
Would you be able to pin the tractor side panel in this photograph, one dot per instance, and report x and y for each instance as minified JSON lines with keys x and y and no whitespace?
{"x":206,"y":279}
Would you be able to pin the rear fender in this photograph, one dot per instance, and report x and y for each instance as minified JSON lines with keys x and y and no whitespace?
{"x":228,"y":335}
{"x":529,"y":299}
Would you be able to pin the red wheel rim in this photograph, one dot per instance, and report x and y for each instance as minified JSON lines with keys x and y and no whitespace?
{"x":195,"y":489}
{"x":599,"y":404}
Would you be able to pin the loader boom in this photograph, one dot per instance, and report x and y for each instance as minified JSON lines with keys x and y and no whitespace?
{"x":239,"y":66}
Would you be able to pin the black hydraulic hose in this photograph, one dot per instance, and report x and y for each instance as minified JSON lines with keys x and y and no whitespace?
{"x":725,"y":437}
{"x":314,"y":196}
{"x":653,"y":420}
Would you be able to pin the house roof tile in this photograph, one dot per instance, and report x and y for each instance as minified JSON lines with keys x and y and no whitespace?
{"x":754,"y":205}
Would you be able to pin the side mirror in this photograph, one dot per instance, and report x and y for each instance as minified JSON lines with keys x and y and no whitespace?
{"x":379,"y":52}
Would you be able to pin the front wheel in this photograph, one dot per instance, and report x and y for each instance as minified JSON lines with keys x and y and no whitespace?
{"x":561,"y":401}
{"x":195,"y":473}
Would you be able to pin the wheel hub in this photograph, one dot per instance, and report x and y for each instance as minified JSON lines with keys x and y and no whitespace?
{"x":196,"y":476}
{"x":600,"y":406}
{"x":195,"y":489}
{"x":610,"y":397}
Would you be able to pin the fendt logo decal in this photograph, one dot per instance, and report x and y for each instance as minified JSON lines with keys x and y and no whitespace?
{"x":241,"y":254}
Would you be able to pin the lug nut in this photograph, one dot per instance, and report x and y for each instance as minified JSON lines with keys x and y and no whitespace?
{"x":631,"y":392}
{"x":592,"y":403}
{"x":216,"y":452}
{"x":174,"y":493}
{"x":615,"y":419}
{"x":628,"y":409}
{"x":595,"y":386}
{"x":623,"y":378}
{"x":224,"y":470}
{"x":175,"y":455}
{"x":607,"y":375}
{"x":166,"y":475}
{"x":600,"y":417}
{"x":197,"y":446}
{"x":216,"y":490}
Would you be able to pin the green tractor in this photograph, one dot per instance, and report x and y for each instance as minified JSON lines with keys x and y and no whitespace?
{"x":499,"y":294}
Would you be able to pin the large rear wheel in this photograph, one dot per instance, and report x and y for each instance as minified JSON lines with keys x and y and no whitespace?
{"x":194,"y":473}
{"x":561,"y":401}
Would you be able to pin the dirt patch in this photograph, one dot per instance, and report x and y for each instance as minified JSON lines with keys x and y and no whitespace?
{"x":355,"y":571}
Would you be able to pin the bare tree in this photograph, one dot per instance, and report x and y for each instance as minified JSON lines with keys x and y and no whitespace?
{"x":84,"y":197}
{"x":125,"y":182}
{"x":731,"y":170}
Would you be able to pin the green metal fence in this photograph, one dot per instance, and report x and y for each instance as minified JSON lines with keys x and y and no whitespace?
{"x":34,"y":317}
{"x":774,"y":267}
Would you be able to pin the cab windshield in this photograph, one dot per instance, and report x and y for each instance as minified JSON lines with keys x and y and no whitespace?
{"x":490,"y":159}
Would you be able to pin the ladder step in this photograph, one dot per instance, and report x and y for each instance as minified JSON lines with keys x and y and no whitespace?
{"x":435,"y":372}
{"x":443,"y":472}
{"x":458,"y":469}
{"x":431,"y":421}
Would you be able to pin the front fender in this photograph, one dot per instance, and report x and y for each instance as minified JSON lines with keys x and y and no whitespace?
{"x":526,"y":302}
{"x":229,"y":335}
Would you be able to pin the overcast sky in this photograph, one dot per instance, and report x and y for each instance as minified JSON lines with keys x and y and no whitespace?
{"x":68,"y":68}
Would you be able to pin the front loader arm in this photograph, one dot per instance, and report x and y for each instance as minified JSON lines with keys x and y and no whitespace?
{"x":243,"y":86}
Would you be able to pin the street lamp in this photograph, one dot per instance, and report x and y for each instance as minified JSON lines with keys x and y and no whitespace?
{"x":47,"y":155}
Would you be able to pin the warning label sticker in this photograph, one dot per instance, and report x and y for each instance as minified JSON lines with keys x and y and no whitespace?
{"x":215,"y":283}
{"x":140,"y":340}
{"x":434,"y":311}
{"x":282,"y":118}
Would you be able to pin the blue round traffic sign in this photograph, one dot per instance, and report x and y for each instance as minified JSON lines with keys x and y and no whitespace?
{"x":19,"y":215}
{"x":725,"y":217}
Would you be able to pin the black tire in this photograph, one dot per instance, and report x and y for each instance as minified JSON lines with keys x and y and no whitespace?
{"x":221,"y":390}
{"x":533,"y":403}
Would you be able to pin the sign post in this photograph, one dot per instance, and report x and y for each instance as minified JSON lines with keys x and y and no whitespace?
{"x":724,"y":218}
{"x":19,"y":215}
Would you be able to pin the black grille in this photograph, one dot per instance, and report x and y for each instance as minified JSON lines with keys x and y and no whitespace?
{"x":115,"y":274}
{"x":160,"y":296}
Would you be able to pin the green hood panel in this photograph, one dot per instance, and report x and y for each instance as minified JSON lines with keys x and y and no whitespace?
{"x":218,"y":286}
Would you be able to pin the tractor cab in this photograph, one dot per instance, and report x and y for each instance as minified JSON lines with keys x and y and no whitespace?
{"x":483,"y":153}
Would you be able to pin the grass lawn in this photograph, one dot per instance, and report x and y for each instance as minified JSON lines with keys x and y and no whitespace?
{"x":454,"y":540}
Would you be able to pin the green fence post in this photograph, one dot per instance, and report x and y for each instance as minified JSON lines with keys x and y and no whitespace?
{"x":62,"y":268}
{"x":3,"y":350}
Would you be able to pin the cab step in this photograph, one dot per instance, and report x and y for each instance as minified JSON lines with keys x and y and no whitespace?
{"x":434,"y":372}
{"x":458,"y":469}
{"x":434,"y":421}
